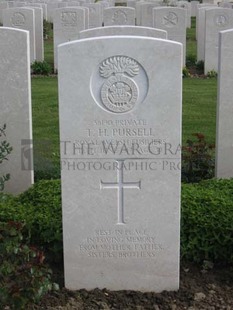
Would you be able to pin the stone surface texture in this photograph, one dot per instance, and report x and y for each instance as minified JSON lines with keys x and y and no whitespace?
{"x":123,"y":30}
{"x":224,"y":132}
{"x":120,"y":184}
{"x":15,"y":103}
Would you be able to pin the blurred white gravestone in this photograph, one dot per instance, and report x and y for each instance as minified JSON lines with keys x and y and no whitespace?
{"x":173,"y":20}
{"x":145,"y":13}
{"x":224,"y":133}
{"x":95,"y":14}
{"x":22,"y":18}
{"x":200,"y":34}
{"x":123,"y":30}
{"x":194,"y":8}
{"x":43,"y":6}
{"x":119,"y":16}
{"x":15,"y":103}
{"x":3,"y":5}
{"x":216,"y":20}
{"x":67,"y":22}
{"x":120,"y":162}
{"x":39,"y":34}
{"x":186,"y":5}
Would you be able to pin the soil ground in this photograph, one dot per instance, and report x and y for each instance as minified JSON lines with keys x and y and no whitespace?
{"x":210,"y":289}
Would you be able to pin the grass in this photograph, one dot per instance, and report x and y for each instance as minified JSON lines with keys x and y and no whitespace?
{"x":191,"y":44}
{"x":45,"y":125}
{"x":199,"y":110}
{"x":48,"y":43}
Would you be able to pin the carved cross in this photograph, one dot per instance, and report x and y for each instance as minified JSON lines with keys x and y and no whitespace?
{"x":120,"y":185}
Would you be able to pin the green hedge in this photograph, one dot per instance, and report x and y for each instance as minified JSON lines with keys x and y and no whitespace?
{"x":40,"y":209}
{"x":206,"y":221}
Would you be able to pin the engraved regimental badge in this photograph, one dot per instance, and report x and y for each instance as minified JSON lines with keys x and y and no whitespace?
{"x":119,"y":84}
{"x":119,"y":93}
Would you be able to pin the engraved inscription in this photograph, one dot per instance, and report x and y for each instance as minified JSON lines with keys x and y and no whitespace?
{"x":170,"y":20}
{"x":119,"y":93}
{"x":69,"y":19}
{"x":120,"y":185}
{"x":220,"y":20}
{"x":119,"y":17}
{"x":18,"y":19}
{"x":121,"y":244}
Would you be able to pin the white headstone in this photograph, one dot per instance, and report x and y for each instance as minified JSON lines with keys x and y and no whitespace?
{"x":18,"y":4}
{"x":224,"y":133}
{"x":22,"y":18}
{"x":43,"y":6}
{"x":120,"y":187}
{"x":146,"y":13}
{"x":194,"y":8}
{"x":95,"y":14}
{"x":173,"y":20}
{"x":200,"y":6}
{"x":39,"y":34}
{"x":210,"y":2}
{"x":225,"y":5}
{"x":216,"y":20}
{"x":15,"y":103}
{"x":67,"y":22}
{"x":186,"y":5}
{"x":51,"y":7}
{"x":3,"y":5}
{"x":73,"y":3}
{"x":131,"y":3}
{"x":119,"y":16}
{"x":123,"y":30}
{"x":200,"y":33}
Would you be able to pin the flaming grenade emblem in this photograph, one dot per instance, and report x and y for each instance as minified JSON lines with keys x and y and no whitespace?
{"x":119,"y":93}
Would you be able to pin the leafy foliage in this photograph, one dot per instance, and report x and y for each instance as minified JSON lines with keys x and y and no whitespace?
{"x":185,"y":72}
{"x":207,"y":222}
{"x":197,"y":160}
{"x":5,"y":150}
{"x":41,"y":68}
{"x":191,"y":60}
{"x":47,"y":29}
{"x":212,"y":74}
{"x":23,"y":275}
{"x":200,"y":66}
{"x":40,"y":209}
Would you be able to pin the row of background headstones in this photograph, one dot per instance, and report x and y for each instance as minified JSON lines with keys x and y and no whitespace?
{"x":49,"y":6}
{"x":210,"y":20}
{"x":48,"y":11}
{"x":66,"y":28}
{"x":67,"y":23}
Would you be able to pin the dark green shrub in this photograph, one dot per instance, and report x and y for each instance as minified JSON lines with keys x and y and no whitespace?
{"x":200,"y":66}
{"x":212,"y":74}
{"x":191,"y":61}
{"x":197,"y":160}
{"x":40,"y":209}
{"x":5,"y":150}
{"x":185,"y":72}
{"x":47,"y":29}
{"x":41,"y":68}
{"x":207,"y":221}
{"x":23,"y":276}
